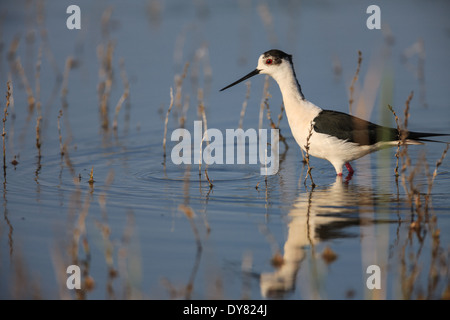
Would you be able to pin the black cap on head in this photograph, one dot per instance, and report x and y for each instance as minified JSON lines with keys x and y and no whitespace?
{"x":278,"y":55}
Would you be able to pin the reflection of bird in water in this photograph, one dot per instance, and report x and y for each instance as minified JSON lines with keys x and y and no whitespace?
{"x":318,"y":215}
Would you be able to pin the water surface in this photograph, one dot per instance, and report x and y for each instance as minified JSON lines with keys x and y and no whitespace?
{"x":146,"y":228}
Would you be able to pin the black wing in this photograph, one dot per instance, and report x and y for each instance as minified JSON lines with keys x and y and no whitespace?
{"x":353,"y":129}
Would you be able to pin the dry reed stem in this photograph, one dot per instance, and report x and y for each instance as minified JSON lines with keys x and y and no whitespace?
{"x":38,"y":107}
{"x":407,"y":105}
{"x":25,"y":82}
{"x":272,"y":124}
{"x":178,"y":91}
{"x":266,"y":96}
{"x":61,"y":147}
{"x":13,"y":49}
{"x":308,"y":173}
{"x":266,"y":17}
{"x":106,"y":22}
{"x":119,"y":106}
{"x":80,"y":233}
{"x":328,"y":255}
{"x":69,"y":64}
{"x":106,"y":80}
{"x":355,"y":78}
{"x":402,"y":152}
{"x":207,"y":178}
{"x":65,"y":80}
{"x":154,"y":12}
{"x":244,"y":104}
{"x":277,"y":259}
{"x":417,"y":49}
{"x":199,"y":248}
{"x":399,"y":131}
{"x":38,"y":135}
{"x":431,"y":180}
{"x":123,"y":255}
{"x":126,"y":85}
{"x":166,"y":122}
{"x":38,"y":82}
{"x":280,"y":116}
{"x":406,"y":160}
{"x":40,"y":18}
{"x":69,"y":164}
{"x":201,"y":108}
{"x":105,"y":230}
{"x":5,"y":115}
{"x":91,"y":176}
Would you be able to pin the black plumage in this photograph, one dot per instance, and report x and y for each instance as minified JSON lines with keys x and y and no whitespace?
{"x":353,"y":129}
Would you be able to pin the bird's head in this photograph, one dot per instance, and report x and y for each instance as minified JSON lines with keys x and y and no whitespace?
{"x":274,"y":63}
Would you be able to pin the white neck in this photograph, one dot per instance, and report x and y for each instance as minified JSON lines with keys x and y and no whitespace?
{"x":294,"y":102}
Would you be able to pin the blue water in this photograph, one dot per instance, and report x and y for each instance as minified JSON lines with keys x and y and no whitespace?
{"x":136,"y":241}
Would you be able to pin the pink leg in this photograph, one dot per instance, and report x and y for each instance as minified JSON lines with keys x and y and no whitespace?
{"x":349,"y":168}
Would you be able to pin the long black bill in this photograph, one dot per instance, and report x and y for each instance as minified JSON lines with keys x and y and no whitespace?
{"x":251,"y":74}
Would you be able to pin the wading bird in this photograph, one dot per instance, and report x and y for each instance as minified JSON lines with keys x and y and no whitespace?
{"x":335,"y":136}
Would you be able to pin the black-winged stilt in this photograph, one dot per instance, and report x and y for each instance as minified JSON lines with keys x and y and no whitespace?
{"x":336,"y":136}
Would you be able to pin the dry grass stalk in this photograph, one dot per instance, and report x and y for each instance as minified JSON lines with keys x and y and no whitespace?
{"x":38,"y":110}
{"x":308,"y":173}
{"x":244,"y":104}
{"x":328,"y":255}
{"x":65,"y":80}
{"x":165,"y":123}
{"x":190,"y":215}
{"x":355,"y":78}
{"x":407,"y":106}
{"x":25,"y":82}
{"x":417,"y":49}
{"x":69,"y":65}
{"x":126,"y":85}
{"x":406,"y":160}
{"x":13,"y":49}
{"x":119,"y":106}
{"x":61,"y":148}
{"x":5,"y":115}
{"x":272,"y":124}
{"x":91,"y":176}
{"x":106,"y":80}
{"x":109,"y":259}
{"x":40,"y":19}
{"x":266,"y":17}
{"x":402,"y":148}
{"x":38,"y":82}
{"x":201,"y":108}
{"x":266,"y":96}
{"x":178,"y":91}
{"x":433,"y":177}
{"x":106,"y":232}
{"x":280,"y":116}
{"x":207,"y":178}
{"x":69,"y":164}
{"x":38,"y":135}
{"x":80,"y":233}
{"x":124,"y":257}
{"x":399,"y":130}
{"x":106,"y":22}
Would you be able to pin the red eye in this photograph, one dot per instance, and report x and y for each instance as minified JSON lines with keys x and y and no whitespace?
{"x":269,"y":61}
